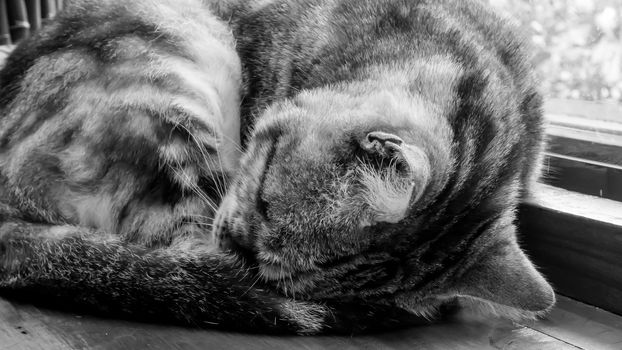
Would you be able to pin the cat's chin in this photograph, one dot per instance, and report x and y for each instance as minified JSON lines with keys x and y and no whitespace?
{"x":467,"y":309}
{"x":464,"y":308}
{"x":479,"y":310}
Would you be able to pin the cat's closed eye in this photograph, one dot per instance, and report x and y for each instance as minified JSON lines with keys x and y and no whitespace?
{"x":262,"y":207}
{"x":262,"y":204}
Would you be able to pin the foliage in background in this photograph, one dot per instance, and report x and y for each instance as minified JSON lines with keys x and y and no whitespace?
{"x":579,"y":45}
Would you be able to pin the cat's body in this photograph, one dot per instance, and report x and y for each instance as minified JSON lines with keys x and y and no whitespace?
{"x":448,"y":78}
{"x":112,"y":118}
{"x":386,"y":146}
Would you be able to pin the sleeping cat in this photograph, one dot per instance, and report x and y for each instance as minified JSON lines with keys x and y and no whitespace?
{"x":385,"y":147}
{"x":393,"y":143}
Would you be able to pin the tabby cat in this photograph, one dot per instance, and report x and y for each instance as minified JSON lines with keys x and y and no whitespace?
{"x":344,"y":165}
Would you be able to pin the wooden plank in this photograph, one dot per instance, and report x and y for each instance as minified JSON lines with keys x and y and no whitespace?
{"x":583,"y":325}
{"x":594,"y":151}
{"x":575,"y":204}
{"x":593,"y":110}
{"x":608,"y":132}
{"x":529,"y":339}
{"x":20,"y":330}
{"x":28,"y":327}
{"x":588,"y":136}
{"x":576,"y":240}
{"x":584,"y":176}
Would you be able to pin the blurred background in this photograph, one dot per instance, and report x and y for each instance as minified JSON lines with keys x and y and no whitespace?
{"x":578,"y":55}
{"x":579,"y":45}
{"x":579,"y":42}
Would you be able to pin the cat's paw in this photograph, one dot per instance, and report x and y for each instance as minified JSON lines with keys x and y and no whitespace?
{"x":364,"y":317}
{"x":196,"y":156}
{"x":307,"y":317}
{"x":310,"y":318}
{"x":188,"y":154}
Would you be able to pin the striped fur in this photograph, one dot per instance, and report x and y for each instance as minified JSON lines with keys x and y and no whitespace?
{"x":329,"y":210}
{"x":119,"y":125}
{"x":386,"y":145}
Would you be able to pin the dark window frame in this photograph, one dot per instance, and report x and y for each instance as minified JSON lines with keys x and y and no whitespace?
{"x":576,"y":241}
{"x":575,"y":238}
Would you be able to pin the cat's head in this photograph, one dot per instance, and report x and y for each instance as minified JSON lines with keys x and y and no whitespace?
{"x":331,"y":196}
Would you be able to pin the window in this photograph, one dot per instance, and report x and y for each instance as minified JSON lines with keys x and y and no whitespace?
{"x":579,"y":57}
{"x":572,"y":225}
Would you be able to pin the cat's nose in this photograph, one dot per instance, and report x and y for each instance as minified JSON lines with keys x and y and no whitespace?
{"x":383,"y":137}
{"x":382,"y":143}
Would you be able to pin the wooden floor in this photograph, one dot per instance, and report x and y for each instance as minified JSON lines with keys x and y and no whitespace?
{"x":571,"y":325}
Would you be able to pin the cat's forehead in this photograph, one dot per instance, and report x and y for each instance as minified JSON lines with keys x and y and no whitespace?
{"x":430,"y":81}
{"x":401,"y":99}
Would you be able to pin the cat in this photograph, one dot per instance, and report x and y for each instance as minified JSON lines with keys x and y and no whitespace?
{"x":371,"y":173}
{"x":393,"y":142}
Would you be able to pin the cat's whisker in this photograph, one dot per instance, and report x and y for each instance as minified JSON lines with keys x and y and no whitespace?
{"x":224,"y":178}
{"x":214,"y":175}
{"x":200,"y":220}
{"x":198,"y":216}
{"x":196,"y":190}
{"x":217,"y":179}
{"x":237,"y":146}
{"x":206,"y":159}
{"x":252,"y":285}
{"x":210,"y":226}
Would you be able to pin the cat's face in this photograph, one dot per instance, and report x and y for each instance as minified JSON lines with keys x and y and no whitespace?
{"x":326,"y":186}
{"x":315,"y":178}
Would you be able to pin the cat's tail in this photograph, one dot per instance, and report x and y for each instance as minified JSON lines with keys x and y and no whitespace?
{"x":71,"y":267}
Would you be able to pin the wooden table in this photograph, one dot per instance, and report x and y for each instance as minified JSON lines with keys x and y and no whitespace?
{"x":571,"y":325}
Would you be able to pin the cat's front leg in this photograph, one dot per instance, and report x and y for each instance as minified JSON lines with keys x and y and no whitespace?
{"x":352,"y":317}
{"x":64,"y":265}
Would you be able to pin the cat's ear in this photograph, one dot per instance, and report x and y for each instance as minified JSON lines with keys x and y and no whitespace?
{"x":505,"y":277}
